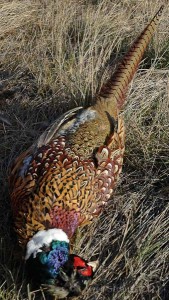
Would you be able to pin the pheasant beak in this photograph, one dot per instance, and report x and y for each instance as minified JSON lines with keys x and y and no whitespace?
{"x":93,"y":264}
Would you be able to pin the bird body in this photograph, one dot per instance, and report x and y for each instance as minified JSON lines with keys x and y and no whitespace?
{"x":67,"y":176}
{"x":66,"y":182}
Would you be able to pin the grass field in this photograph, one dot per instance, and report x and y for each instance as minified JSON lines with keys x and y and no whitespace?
{"x":55,"y":55}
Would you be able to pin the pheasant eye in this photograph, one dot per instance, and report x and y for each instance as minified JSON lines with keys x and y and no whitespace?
{"x":82,"y":267}
{"x":86,"y":271}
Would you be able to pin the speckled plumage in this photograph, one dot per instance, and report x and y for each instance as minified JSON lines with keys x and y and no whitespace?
{"x":67,"y":176}
{"x":61,"y":188}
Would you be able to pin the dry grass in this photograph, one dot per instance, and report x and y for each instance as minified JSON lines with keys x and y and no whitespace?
{"x":55,"y":55}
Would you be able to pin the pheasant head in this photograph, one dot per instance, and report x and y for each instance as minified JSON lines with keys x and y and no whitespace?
{"x":49,"y":262}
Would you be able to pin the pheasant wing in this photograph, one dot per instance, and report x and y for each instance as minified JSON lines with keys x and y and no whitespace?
{"x":21,"y":180}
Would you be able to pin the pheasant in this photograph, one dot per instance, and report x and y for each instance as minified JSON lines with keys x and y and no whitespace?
{"x":65,"y":179}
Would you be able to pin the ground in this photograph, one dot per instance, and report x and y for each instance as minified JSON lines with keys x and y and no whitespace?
{"x":55,"y":55}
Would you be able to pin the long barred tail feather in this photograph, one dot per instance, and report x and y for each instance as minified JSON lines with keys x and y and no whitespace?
{"x":117,"y":85}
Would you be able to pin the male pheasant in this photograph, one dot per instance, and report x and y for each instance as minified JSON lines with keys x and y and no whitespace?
{"x":67,"y":176}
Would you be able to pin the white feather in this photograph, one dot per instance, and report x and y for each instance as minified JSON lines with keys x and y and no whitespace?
{"x":44,"y":237}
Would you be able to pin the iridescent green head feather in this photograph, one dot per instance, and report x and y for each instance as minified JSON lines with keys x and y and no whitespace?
{"x":45,"y":266}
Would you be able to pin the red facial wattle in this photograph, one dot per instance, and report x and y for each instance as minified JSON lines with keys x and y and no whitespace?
{"x":83,"y":268}
{"x":79,"y":262}
{"x":86,"y":272}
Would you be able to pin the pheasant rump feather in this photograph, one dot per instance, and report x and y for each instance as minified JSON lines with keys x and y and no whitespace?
{"x":67,"y":176}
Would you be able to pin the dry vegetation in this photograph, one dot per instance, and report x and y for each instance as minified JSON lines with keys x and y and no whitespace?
{"x":55,"y":56}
